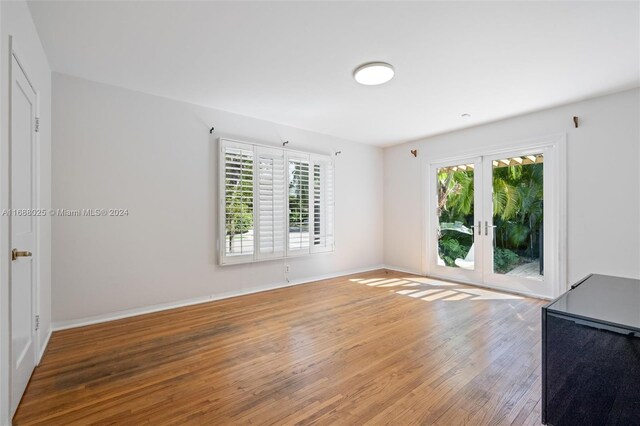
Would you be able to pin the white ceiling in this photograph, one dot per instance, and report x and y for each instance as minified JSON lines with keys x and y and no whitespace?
{"x":292,"y":63}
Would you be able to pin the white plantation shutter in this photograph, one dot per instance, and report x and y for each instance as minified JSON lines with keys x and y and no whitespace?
{"x":238,"y":201}
{"x":274,"y":203}
{"x":271,"y":217}
{"x":323,"y":205}
{"x":298,"y":203}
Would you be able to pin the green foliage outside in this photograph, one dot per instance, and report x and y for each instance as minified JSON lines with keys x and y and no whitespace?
{"x":517,"y":206}
{"x":504,"y":260}
{"x":517,"y":214}
{"x":238,"y":200}
{"x":299,"y":196}
{"x":452,"y":249}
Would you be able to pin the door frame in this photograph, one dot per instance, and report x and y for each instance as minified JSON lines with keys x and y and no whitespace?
{"x":5,"y":251}
{"x":556,"y":265}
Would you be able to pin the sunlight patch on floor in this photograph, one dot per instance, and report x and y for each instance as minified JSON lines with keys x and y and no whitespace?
{"x":370,"y":280}
{"x":430,"y":290}
{"x":405,"y":292}
{"x":421,"y":293}
{"x":378,"y":282}
{"x":395,"y":284}
{"x":440,"y":295}
{"x":430,"y":281}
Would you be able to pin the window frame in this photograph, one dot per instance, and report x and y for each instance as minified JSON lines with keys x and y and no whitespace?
{"x":256,"y":148}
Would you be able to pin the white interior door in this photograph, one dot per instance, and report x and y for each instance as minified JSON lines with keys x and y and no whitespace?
{"x":456,"y":212}
{"x":23,"y":231}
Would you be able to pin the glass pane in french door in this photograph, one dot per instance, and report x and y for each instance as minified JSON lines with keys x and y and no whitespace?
{"x":518,"y":216}
{"x":455,"y":213}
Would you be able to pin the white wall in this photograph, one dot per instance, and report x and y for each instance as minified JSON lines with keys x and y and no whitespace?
{"x":116,"y":148}
{"x":15,"y":20}
{"x":603,"y":182}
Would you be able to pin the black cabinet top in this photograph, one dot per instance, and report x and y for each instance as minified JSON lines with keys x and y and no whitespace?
{"x":602,"y":298}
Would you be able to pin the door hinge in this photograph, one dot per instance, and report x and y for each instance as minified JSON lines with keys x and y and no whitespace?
{"x":37,"y":322}
{"x":37,"y":126}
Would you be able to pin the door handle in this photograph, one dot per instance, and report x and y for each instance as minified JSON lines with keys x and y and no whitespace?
{"x":15,"y":254}
{"x":486,"y":227}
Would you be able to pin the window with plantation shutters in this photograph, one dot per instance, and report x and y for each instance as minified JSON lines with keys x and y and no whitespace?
{"x":271,"y":203}
{"x":298,"y":203}
{"x":274,"y":203}
{"x":238,"y":198}
{"x":322,"y":204}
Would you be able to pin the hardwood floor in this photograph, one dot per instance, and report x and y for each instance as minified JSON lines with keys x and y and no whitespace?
{"x":369,"y":348}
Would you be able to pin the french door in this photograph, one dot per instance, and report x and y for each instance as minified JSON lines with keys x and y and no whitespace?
{"x":456,"y":205}
{"x":493,"y":220}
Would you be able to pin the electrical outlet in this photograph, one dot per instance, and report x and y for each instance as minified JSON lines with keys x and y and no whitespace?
{"x":286,"y":269}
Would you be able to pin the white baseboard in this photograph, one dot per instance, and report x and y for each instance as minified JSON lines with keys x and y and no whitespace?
{"x":63,"y":325}
{"x":44,"y":346}
{"x":398,"y":269}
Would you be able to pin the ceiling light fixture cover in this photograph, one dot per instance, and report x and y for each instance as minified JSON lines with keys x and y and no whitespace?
{"x":373,"y":73}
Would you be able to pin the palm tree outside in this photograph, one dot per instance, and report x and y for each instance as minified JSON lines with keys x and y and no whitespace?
{"x":517,"y":212}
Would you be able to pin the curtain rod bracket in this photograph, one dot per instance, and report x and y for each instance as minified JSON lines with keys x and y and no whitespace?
{"x":575,"y":121}
{"x":337,"y":153}
{"x":285,"y":143}
{"x":211,"y":130}
{"x":414,"y":152}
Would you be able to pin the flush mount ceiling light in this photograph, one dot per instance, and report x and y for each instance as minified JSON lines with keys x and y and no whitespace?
{"x":373,"y":73}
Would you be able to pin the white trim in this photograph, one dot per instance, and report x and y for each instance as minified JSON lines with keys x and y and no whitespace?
{"x":5,"y":350}
{"x":44,"y":346}
{"x":425,"y":173}
{"x":563,"y":214}
{"x":15,"y":53}
{"x":64,"y":325}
